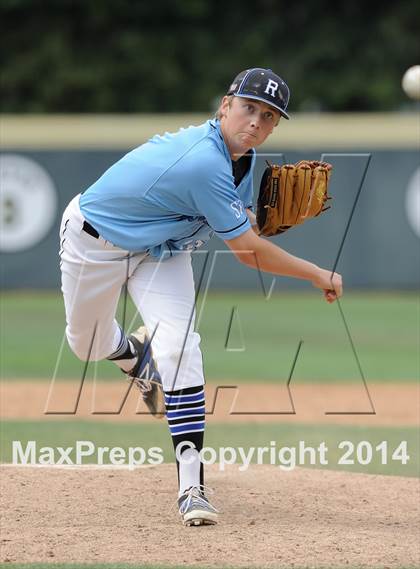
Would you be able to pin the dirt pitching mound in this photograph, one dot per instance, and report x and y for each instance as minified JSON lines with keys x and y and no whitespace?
{"x":394,"y":403}
{"x":270,"y":518}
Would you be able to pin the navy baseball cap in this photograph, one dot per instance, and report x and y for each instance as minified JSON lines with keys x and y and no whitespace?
{"x":262,"y":85}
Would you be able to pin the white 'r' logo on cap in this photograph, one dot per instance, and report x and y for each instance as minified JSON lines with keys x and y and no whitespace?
{"x":271,"y":88}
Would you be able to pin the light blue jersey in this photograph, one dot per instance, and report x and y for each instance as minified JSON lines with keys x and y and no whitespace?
{"x":172,"y":193}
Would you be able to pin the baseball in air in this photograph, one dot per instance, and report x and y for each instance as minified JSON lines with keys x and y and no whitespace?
{"x":411,"y":82}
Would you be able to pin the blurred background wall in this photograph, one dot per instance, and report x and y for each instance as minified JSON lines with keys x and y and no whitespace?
{"x":83,"y":82}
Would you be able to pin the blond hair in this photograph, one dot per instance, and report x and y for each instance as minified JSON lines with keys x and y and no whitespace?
{"x":219,"y":113}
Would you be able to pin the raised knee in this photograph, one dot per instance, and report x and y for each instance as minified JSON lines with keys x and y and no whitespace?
{"x":85,"y":350}
{"x":81,"y":352}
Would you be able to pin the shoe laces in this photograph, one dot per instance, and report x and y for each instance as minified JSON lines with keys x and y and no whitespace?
{"x":145,"y":385}
{"x":196,"y":493}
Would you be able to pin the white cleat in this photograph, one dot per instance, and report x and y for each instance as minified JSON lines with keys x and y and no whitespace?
{"x":195,"y":509}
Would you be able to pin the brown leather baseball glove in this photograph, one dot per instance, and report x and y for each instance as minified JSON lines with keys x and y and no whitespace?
{"x":291,"y":194}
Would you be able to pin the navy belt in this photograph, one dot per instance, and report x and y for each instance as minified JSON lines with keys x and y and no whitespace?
{"x":89,"y":229}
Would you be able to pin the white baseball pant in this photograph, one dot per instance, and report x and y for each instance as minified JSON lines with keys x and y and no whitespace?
{"x":93,"y":274}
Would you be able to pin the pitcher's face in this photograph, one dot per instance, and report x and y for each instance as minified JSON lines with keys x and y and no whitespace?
{"x":246,"y":123}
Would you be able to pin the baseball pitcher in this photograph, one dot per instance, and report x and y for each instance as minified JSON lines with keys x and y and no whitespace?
{"x":137,"y":225}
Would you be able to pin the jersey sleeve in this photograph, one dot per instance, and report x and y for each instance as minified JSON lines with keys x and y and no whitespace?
{"x":216,"y":198}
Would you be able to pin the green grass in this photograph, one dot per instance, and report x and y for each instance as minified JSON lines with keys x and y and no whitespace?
{"x":65,"y":434}
{"x":262,"y":343}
